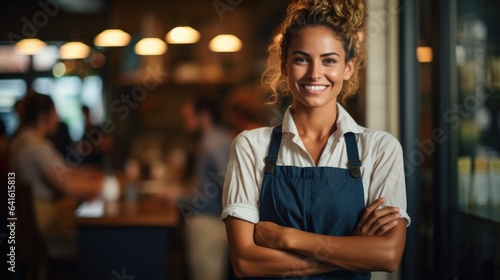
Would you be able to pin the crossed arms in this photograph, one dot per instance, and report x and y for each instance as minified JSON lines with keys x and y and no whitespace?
{"x":266,"y":249}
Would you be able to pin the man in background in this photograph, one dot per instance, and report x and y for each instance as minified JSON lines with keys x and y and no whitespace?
{"x":201,"y":206}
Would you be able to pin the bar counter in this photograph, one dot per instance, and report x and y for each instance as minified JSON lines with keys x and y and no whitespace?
{"x":154,"y":212}
{"x":127,"y":239}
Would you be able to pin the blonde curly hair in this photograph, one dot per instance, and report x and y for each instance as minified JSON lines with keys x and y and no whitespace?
{"x":345,"y":18}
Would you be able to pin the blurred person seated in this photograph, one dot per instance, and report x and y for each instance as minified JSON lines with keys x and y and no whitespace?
{"x":56,"y":188}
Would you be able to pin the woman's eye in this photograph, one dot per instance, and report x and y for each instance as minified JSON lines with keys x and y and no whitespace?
{"x":329,"y":61}
{"x":301,"y":60}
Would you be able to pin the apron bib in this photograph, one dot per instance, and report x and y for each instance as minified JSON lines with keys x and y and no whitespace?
{"x":323,"y":200}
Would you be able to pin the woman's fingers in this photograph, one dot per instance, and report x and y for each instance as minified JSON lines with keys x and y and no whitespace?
{"x":385,"y":228}
{"x":376,"y":219}
{"x":385,"y":223}
{"x":370,"y":209}
{"x":380,"y":221}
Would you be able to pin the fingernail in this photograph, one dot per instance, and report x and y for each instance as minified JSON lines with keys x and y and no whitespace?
{"x":396,"y":209}
{"x":381,"y":199}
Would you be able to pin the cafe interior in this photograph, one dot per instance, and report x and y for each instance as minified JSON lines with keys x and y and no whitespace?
{"x":120,"y":74}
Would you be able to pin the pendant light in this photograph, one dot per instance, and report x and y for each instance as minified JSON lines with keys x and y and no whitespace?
{"x":182,"y":35}
{"x":150,"y":46}
{"x":29,"y":46}
{"x":74,"y":50}
{"x":112,"y":38}
{"x":225,"y":43}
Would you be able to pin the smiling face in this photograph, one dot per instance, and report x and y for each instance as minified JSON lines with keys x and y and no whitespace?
{"x":316,"y":67}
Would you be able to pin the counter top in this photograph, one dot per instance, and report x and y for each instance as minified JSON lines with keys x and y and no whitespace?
{"x":150,"y":211}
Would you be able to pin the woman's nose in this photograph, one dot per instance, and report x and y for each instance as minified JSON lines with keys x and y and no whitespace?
{"x":314,"y":71}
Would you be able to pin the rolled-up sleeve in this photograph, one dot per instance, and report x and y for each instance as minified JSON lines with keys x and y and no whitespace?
{"x":240,"y":197}
{"x":387,"y":176}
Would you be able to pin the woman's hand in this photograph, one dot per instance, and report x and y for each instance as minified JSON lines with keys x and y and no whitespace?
{"x":375,"y":221}
{"x":269,"y":234}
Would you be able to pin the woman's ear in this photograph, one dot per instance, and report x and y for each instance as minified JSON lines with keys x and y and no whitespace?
{"x":349,"y":69}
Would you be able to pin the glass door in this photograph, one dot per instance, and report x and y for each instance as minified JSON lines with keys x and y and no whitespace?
{"x":475,"y":116}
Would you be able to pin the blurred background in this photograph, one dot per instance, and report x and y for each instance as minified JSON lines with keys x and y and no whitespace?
{"x":120,"y":72}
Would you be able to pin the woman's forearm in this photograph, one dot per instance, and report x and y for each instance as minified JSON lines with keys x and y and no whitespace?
{"x":356,"y":253}
{"x":257,"y":261}
{"x":251,"y":260}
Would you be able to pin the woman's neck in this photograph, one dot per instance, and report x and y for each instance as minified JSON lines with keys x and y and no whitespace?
{"x":315,"y":123}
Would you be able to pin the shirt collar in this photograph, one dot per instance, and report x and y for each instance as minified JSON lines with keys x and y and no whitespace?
{"x":345,"y":123}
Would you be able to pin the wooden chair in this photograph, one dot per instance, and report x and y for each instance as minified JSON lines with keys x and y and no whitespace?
{"x":32,"y":249}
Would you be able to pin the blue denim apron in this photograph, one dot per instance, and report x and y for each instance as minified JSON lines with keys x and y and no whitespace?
{"x":324,"y":200}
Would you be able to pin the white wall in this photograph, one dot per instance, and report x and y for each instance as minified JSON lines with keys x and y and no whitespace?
{"x":382,"y":100}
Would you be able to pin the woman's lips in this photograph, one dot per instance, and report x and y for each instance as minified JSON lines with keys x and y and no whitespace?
{"x":315,"y":88}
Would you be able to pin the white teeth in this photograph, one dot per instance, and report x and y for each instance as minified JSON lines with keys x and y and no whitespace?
{"x":314,"y":88}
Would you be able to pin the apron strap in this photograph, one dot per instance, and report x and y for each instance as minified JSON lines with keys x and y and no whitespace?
{"x":274,"y":148}
{"x":352,"y":155}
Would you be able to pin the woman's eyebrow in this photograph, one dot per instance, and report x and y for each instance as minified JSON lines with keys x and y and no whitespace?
{"x":322,"y":55}
{"x":301,"y":53}
{"x":329,"y":54}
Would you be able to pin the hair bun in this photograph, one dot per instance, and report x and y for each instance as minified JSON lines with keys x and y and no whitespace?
{"x":350,"y":13}
{"x":353,"y":11}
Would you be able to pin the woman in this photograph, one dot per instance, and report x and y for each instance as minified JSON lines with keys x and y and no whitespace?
{"x":295,"y":195}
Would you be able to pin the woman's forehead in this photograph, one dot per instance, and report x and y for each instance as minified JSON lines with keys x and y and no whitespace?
{"x":316,"y":38}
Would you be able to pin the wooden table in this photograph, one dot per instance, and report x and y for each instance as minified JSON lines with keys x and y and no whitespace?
{"x":128,"y":239}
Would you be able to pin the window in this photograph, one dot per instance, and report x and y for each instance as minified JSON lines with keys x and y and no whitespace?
{"x":69,"y":94}
{"x":11,"y":62}
{"x":10,"y":92}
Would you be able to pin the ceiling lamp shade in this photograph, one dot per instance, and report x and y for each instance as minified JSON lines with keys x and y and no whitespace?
{"x":182,"y":35}
{"x":150,"y":46}
{"x":74,"y":50}
{"x":112,"y":38}
{"x":225,"y":43}
{"x":29,"y":46}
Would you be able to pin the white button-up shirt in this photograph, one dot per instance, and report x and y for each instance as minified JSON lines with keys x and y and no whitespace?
{"x":380,"y":153}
